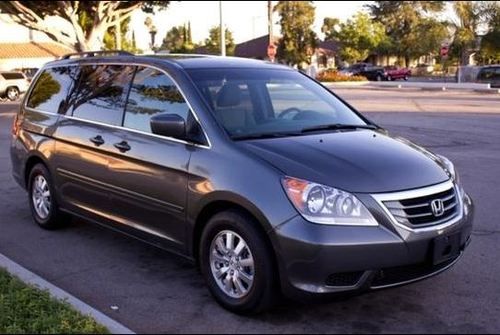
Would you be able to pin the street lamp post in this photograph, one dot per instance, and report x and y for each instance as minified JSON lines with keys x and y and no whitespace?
{"x":222,"y":32}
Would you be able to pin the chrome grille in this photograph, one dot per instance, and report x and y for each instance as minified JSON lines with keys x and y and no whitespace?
{"x":417,"y":212}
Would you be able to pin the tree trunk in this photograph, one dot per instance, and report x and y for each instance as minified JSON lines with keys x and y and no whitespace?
{"x":407,"y":61}
{"x":118,"y":36}
{"x":94,"y":41}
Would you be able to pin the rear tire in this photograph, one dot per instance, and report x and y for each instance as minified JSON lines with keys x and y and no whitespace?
{"x":13,"y":93}
{"x":42,"y":200}
{"x":237,"y":264}
{"x":379,"y":77}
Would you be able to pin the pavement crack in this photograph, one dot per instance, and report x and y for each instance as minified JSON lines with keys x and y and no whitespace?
{"x":417,"y":105}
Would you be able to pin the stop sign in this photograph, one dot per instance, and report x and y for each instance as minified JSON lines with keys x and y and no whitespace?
{"x":444,"y":51}
{"x":271,"y":51}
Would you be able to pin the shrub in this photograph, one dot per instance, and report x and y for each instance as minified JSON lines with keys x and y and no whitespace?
{"x":334,"y":76}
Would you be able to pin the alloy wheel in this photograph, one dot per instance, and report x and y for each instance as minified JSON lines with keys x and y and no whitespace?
{"x":40,"y":195}
{"x":232,"y":264}
{"x":13,"y":93}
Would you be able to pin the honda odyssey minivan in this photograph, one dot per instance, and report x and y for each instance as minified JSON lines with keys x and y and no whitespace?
{"x":261,"y":176}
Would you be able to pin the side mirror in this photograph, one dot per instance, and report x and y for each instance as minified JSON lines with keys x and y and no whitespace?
{"x":170,"y":125}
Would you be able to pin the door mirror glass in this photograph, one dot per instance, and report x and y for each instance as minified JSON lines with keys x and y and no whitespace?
{"x":169,"y":125}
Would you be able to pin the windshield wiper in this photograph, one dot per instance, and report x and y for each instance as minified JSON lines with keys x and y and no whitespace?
{"x":338,"y":126}
{"x":263,"y":135}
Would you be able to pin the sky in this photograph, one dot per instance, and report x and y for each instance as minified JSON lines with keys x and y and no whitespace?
{"x":245,"y":19}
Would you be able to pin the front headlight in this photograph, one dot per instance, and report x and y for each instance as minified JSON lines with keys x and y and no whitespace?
{"x":326,"y":205}
{"x":449,"y":168}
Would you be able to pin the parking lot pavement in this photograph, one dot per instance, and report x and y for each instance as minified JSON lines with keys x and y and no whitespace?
{"x":158,"y":292}
{"x":416,"y":100}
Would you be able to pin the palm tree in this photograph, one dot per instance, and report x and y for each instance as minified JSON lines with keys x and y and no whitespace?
{"x":469,"y":15}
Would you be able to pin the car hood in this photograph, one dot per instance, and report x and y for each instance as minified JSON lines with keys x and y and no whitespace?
{"x":360,"y":161}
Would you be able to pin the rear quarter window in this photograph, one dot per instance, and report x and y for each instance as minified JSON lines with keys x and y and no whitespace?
{"x":12,"y":76}
{"x":52,"y":88}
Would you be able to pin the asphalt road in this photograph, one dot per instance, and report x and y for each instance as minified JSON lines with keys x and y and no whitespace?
{"x":157,"y":292}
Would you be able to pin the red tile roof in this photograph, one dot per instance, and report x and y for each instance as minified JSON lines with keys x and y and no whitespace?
{"x":33,"y":50}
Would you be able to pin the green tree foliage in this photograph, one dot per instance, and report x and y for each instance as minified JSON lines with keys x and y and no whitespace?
{"x":90,"y":20}
{"x":490,"y":43}
{"x":470,"y":14}
{"x":330,"y":27}
{"x":358,"y":36}
{"x":126,"y":44}
{"x":407,"y":24}
{"x":179,"y":40}
{"x":299,"y":40}
{"x":212,"y":43}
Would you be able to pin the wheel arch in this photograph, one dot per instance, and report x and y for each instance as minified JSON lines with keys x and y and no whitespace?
{"x":223,"y":202}
{"x":33,"y":160}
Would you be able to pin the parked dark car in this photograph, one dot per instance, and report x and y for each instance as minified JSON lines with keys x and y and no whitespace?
{"x":395,"y":73}
{"x":367,"y":70}
{"x":260,"y":175}
{"x":490,"y":75}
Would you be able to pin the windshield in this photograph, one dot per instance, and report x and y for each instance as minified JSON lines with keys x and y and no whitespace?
{"x":253,"y":102}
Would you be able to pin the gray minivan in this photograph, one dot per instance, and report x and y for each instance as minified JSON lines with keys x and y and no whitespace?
{"x":264,"y":178}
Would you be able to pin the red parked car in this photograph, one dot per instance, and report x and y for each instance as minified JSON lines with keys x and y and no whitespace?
{"x":394,"y":73}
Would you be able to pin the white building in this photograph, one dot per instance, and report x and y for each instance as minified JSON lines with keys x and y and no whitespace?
{"x":22,"y":48}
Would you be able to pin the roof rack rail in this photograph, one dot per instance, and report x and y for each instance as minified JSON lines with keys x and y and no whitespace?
{"x":97,"y":53}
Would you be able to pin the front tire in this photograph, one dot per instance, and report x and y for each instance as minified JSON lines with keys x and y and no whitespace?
{"x":237,"y":264}
{"x":43,"y":204}
{"x":13,"y":93}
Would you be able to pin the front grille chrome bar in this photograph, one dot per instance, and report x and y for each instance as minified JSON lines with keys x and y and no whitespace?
{"x":416,"y":216}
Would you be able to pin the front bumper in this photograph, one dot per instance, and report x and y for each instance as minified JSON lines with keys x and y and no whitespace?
{"x":320,"y":260}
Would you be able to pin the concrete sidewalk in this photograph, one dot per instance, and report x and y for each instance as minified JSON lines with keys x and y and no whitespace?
{"x":430,"y":86}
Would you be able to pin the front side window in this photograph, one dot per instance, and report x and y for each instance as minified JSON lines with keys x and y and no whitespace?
{"x":255,"y":102}
{"x":102,"y":93}
{"x":52,"y":89}
{"x":152,"y":92}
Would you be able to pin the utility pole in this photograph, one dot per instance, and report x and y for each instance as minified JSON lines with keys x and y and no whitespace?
{"x":270,"y":21}
{"x":222,"y":32}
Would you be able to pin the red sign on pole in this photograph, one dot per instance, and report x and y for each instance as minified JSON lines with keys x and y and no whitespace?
{"x":271,"y":51}
{"x":444,"y":51}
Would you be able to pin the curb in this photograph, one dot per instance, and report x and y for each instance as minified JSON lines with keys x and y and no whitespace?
{"x":30,"y":278}
{"x":407,"y":86}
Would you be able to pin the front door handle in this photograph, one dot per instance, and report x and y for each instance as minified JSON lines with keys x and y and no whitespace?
{"x":122,"y":146}
{"x":98,"y":140}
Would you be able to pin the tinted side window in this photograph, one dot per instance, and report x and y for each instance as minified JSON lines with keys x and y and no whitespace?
{"x":486,"y":73}
{"x":52,"y":88}
{"x":152,"y":93}
{"x":102,"y":93}
{"x":12,"y":75}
